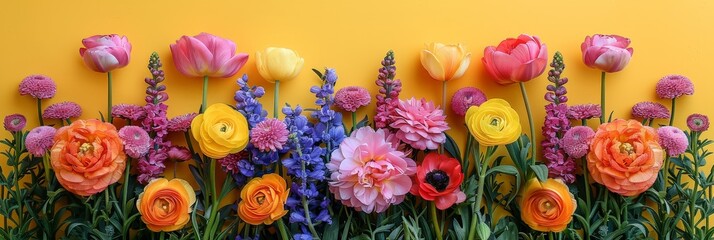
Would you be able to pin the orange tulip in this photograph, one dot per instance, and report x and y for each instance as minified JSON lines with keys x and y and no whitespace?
{"x":263,"y":200}
{"x":166,"y":205}
{"x":547,"y":206}
{"x":87,"y":156}
{"x":625,"y":157}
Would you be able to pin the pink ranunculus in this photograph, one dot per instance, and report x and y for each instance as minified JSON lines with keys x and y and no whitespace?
{"x":516,"y":59}
{"x":104,"y":53}
{"x":368,"y":173}
{"x":207,"y":55}
{"x":608,"y":53}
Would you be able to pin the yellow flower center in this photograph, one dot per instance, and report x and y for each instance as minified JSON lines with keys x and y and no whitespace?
{"x":85,"y":147}
{"x":627,"y":148}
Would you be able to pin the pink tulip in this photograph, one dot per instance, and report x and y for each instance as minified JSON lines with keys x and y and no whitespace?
{"x":103,"y":53}
{"x":608,"y":53}
{"x":207,"y":55}
{"x":516,"y":59}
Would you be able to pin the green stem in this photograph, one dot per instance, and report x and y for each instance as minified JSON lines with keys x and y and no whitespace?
{"x":443,"y":107}
{"x":354,"y":121}
{"x":281,"y":228}
{"x":305,"y":206}
{"x":275,"y":99}
{"x":550,"y":236}
{"x":2,"y":196}
{"x":695,"y":178}
{"x":124,"y":195}
{"x":109,"y":97}
{"x":665,"y":171}
{"x":107,"y":207}
{"x":435,"y":220}
{"x":39,"y":111}
{"x":205,"y":94}
{"x":188,"y":141}
{"x":161,"y":235}
{"x":46,"y":163}
{"x":671,"y":116}
{"x":18,"y":152}
{"x":584,"y":122}
{"x":465,"y":161}
{"x":602,"y":98}
{"x":530,"y":120}
{"x":214,"y":200}
{"x":479,"y":193}
{"x":586,"y":180}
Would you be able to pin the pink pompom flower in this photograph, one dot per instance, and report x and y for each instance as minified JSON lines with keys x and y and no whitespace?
{"x":465,"y":98}
{"x":136,"y":141}
{"x":673,"y":140}
{"x":419,"y":123}
{"x":650,"y":110}
{"x":129,"y":112}
{"x":368,"y":173}
{"x":576,"y":141}
{"x":584,"y":111}
{"x":14,"y":122}
{"x":698,"y":122}
{"x":39,"y":140}
{"x":351,"y":98}
{"x":38,"y":86}
{"x":62,"y":110}
{"x":674,"y":86}
{"x":269,"y":135}
{"x":181,"y":123}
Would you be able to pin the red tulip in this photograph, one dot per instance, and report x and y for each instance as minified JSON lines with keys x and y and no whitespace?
{"x":608,"y":53}
{"x":516,"y":59}
{"x":103,"y":53}
{"x":438,"y":179}
{"x":207,"y":55}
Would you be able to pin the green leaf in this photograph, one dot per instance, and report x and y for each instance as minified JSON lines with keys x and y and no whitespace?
{"x":452,"y":148}
{"x":361,"y":237}
{"x":483,"y":231}
{"x":541,"y":172}
{"x":319,"y":74}
{"x":362,"y":123}
{"x":510,"y":170}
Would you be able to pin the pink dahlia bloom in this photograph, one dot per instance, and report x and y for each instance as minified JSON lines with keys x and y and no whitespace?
{"x":38,"y":86}
{"x":649,"y":110}
{"x":674,"y":86}
{"x":128,"y":111}
{"x":466,"y":97}
{"x":419,"y":123}
{"x":39,"y":140}
{"x":269,"y":135}
{"x":576,"y":141}
{"x":351,"y":98}
{"x":673,"y":140}
{"x":368,"y":173}
{"x":14,"y":122}
{"x":136,"y":141}
{"x":181,"y":123}
{"x":698,"y":122}
{"x":62,"y":110}
{"x":584,"y":111}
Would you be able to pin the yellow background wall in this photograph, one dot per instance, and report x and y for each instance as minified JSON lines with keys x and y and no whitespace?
{"x":44,"y":37}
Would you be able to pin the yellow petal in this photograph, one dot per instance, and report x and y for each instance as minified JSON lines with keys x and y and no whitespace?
{"x":432,"y":65}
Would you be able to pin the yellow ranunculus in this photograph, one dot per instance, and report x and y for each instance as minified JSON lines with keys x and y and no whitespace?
{"x":493,"y":123}
{"x":220,"y":130}
{"x":262,"y":200}
{"x":547,"y":206}
{"x":281,"y":64}
{"x":166,"y":205}
{"x":445,"y":62}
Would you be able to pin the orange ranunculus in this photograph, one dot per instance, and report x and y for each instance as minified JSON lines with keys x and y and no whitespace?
{"x":625,"y":157}
{"x":547,"y":206}
{"x":166,"y":205}
{"x":263,"y":200}
{"x":87,"y":156}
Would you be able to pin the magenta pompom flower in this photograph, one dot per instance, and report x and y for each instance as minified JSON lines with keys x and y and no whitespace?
{"x":650,"y":110}
{"x":673,"y":140}
{"x":178,"y":153}
{"x":674,"y":86}
{"x":62,"y":110}
{"x":181,"y":123}
{"x":129,"y":112}
{"x":419,"y":123}
{"x":136,"y":141}
{"x":38,"y":86}
{"x":584,"y":111}
{"x":39,"y":140}
{"x":698,"y":122}
{"x":465,"y":98}
{"x":230,"y":161}
{"x":576,"y":141}
{"x":14,"y":122}
{"x":368,"y":173}
{"x":269,"y":135}
{"x":351,"y":98}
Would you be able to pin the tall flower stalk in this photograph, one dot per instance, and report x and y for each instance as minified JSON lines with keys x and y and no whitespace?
{"x":389,"y":90}
{"x":560,"y":165}
{"x":155,"y":123}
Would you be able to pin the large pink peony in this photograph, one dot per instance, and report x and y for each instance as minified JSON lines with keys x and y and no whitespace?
{"x":368,"y":173}
{"x":419,"y":123}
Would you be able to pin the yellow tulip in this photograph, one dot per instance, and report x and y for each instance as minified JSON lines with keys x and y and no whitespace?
{"x":281,"y":64}
{"x":445,"y":62}
{"x":493,"y":123}
{"x":220,"y":130}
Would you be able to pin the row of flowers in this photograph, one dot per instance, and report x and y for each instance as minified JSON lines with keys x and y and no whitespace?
{"x":384,"y":172}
